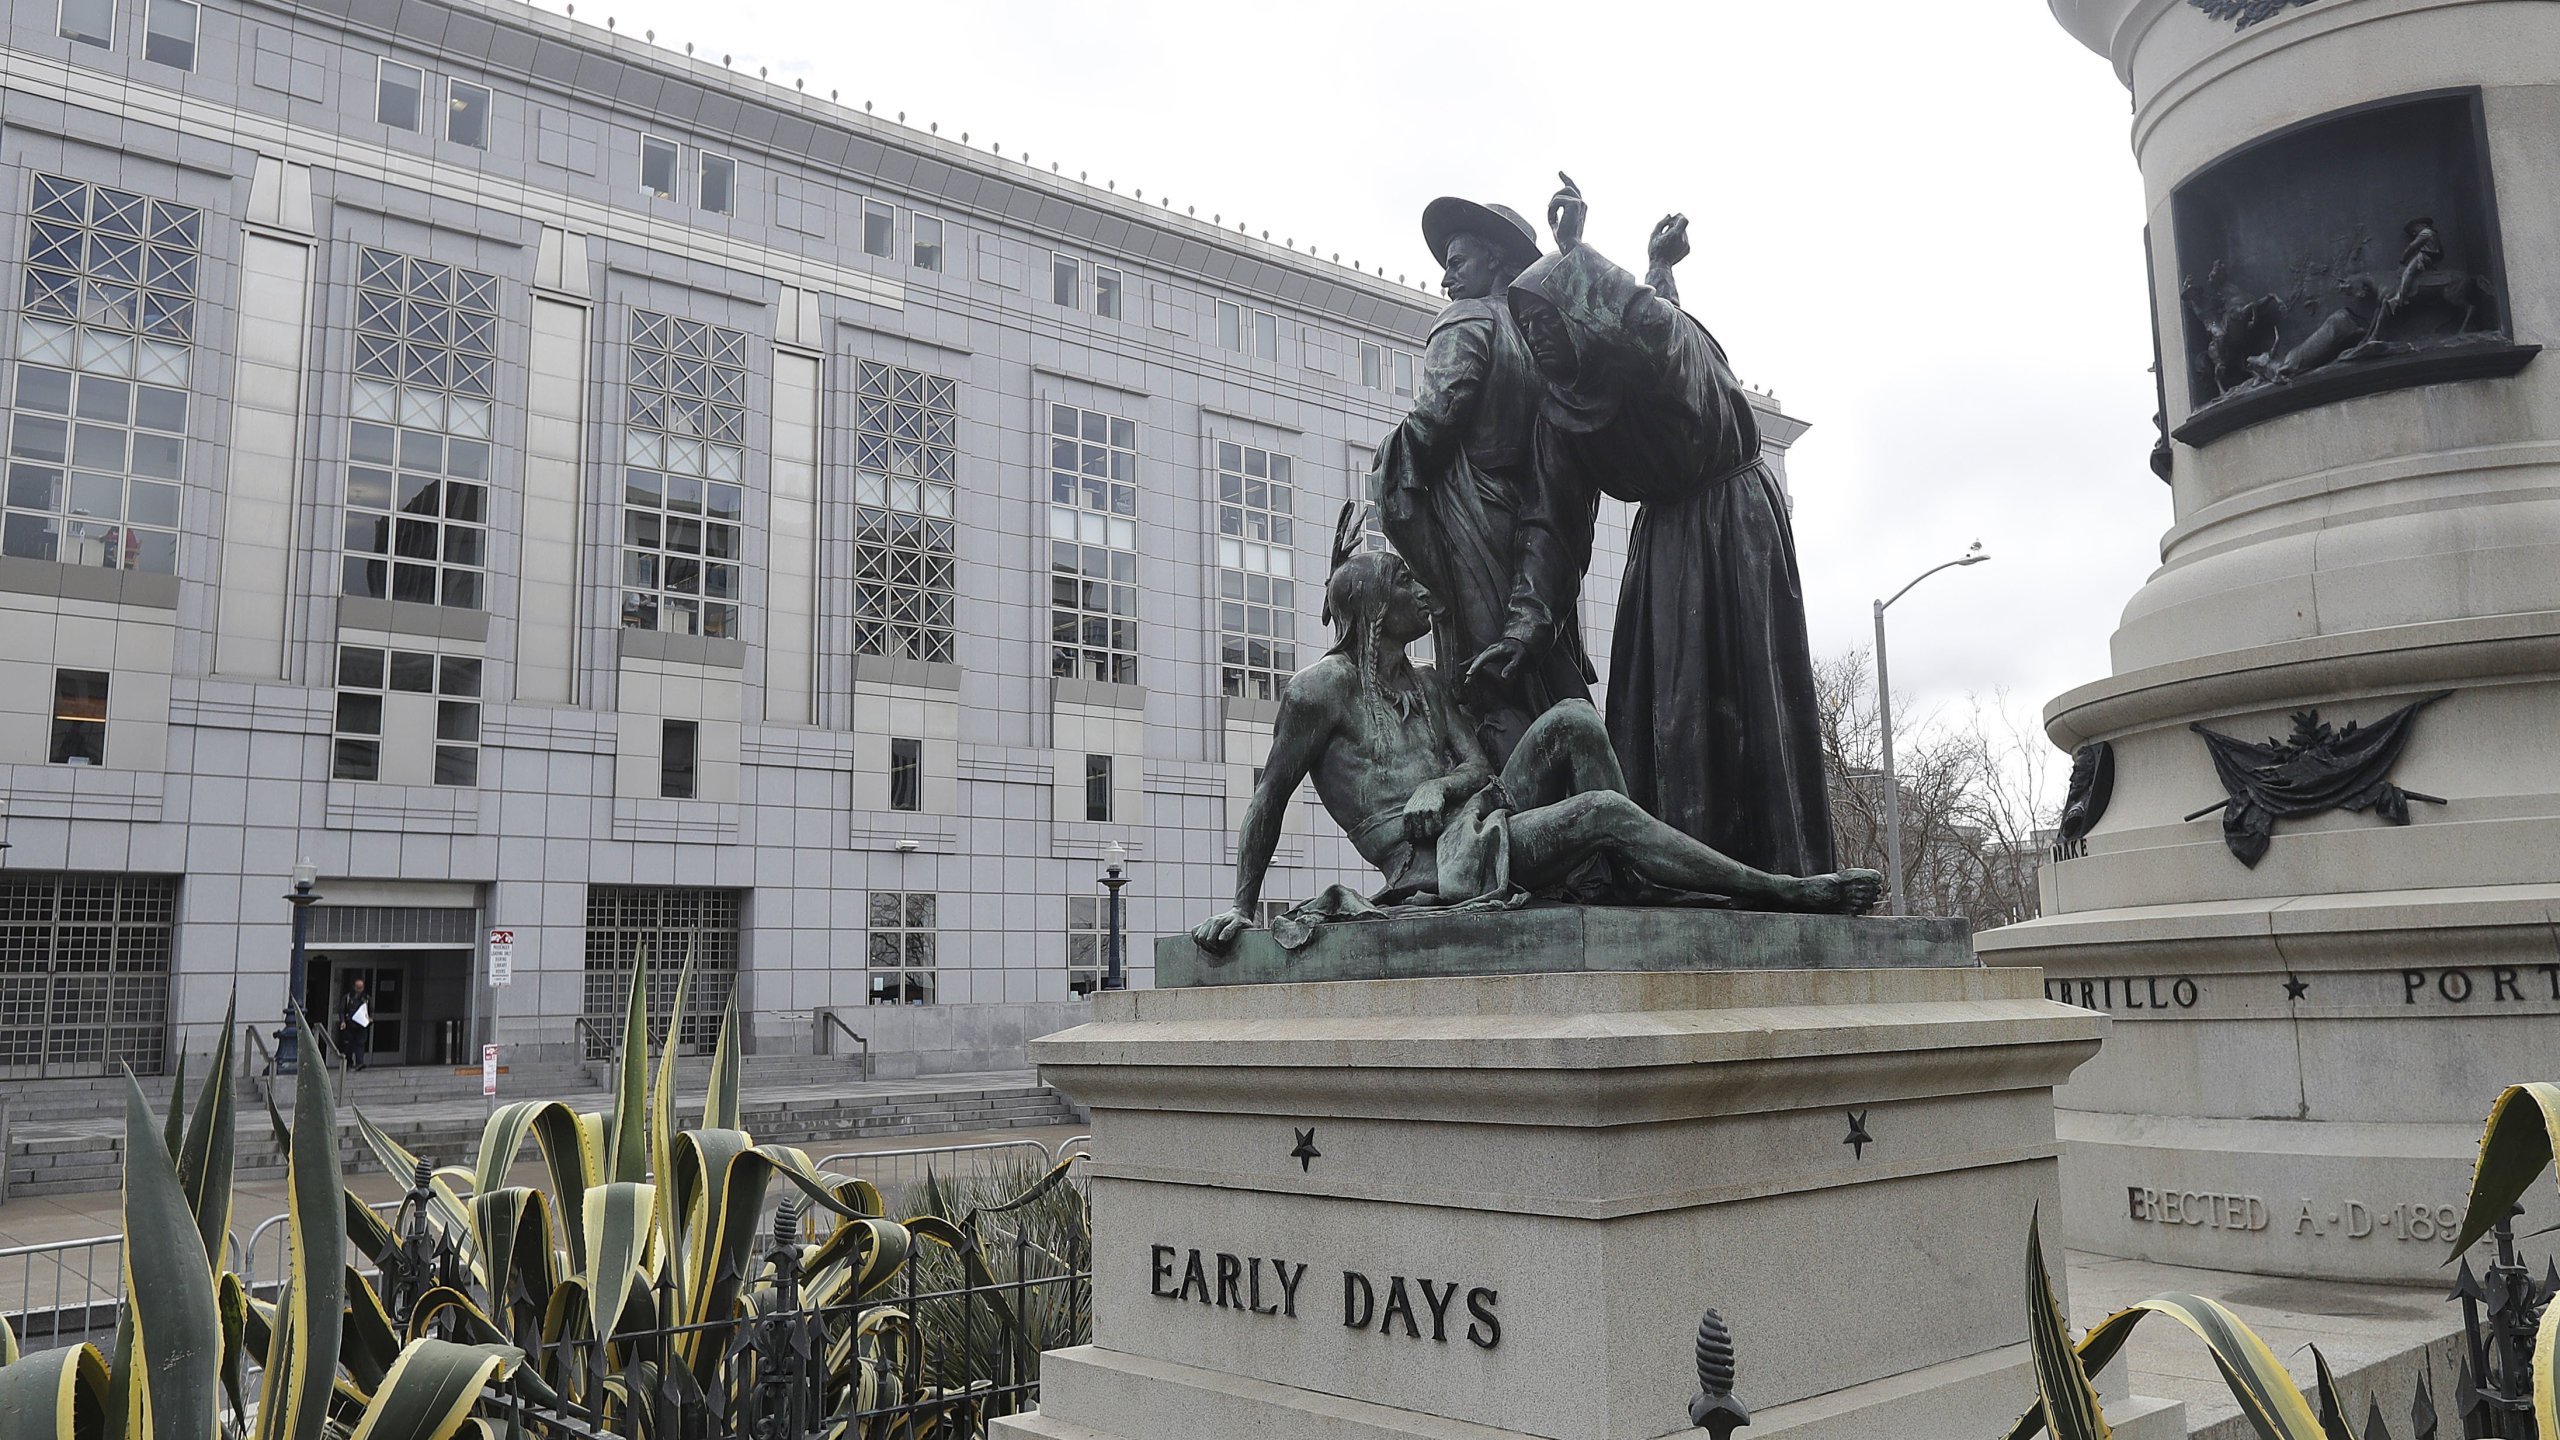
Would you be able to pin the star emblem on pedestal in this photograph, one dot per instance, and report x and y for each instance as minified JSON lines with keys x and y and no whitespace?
{"x":1306,"y":1152}
{"x":2295,"y":987}
{"x":1859,"y":1139}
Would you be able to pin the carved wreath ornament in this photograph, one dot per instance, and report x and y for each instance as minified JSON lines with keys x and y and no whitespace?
{"x":2245,"y":13}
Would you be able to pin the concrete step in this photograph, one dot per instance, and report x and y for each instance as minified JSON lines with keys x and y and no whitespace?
{"x":76,"y":1154}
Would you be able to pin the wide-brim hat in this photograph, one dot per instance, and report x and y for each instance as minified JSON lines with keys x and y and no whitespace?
{"x":1449,"y":216}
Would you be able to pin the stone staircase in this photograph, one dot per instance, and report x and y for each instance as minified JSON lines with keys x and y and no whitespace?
{"x":68,"y":1137}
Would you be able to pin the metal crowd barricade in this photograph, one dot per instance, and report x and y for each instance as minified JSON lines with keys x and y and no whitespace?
{"x":901,"y":1173}
{"x":66,"y":1291}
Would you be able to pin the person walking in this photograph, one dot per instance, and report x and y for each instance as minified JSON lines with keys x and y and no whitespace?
{"x":355,"y":1023}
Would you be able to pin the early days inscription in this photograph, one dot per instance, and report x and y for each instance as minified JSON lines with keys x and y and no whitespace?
{"x":1415,"y":1307}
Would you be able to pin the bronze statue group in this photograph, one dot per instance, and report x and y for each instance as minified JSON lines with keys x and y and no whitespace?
{"x":1489,"y":780}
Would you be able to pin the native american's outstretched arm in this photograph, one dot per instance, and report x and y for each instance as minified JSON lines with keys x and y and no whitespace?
{"x":1305,"y":727}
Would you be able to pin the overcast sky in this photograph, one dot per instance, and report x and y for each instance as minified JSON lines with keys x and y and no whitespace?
{"x":1918,"y":224}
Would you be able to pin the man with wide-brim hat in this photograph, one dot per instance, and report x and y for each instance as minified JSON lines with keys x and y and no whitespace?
{"x":1458,"y":495}
{"x":1503,"y":236}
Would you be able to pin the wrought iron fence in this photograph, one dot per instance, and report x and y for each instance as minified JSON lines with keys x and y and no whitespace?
{"x":926,"y":1362}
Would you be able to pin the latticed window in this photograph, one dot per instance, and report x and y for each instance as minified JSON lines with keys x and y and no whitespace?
{"x":900,"y":948}
{"x":1257,"y":568}
{"x":418,"y":471}
{"x":1093,"y":545}
{"x":669,"y":924}
{"x":906,"y":464}
{"x":683,"y":505}
{"x":105,"y":348}
{"x":370,"y":679}
{"x":84,"y":972}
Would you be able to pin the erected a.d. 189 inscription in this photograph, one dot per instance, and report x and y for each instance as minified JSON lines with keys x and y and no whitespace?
{"x":1427,"y":1309}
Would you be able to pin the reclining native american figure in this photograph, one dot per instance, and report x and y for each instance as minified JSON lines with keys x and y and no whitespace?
{"x":1400,"y":768}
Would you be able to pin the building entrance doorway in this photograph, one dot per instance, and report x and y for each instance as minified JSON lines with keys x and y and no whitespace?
{"x":417,"y":1000}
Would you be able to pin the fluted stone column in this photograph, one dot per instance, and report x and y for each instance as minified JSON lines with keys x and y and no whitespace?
{"x":2306,"y":1047}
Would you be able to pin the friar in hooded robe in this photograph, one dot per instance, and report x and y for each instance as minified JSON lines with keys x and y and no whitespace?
{"x":1711,"y":703}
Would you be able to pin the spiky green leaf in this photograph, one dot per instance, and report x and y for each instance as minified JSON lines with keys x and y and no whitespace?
{"x":2515,"y":1148}
{"x":55,"y":1395}
{"x":294,"y":1401}
{"x":431,"y":1389}
{"x":169,"y":1291}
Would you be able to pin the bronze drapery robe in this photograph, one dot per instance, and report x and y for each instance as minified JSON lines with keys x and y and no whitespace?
{"x":1459,"y":497}
{"x":1711,"y":698}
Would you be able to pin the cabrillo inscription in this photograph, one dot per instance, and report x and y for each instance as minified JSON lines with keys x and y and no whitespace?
{"x":2126,"y":992}
{"x":2347,"y":1219}
{"x":1392,"y":1304}
{"x":2429,"y":988}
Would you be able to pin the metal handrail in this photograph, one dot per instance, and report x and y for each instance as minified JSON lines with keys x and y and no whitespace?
{"x":261,"y":1078}
{"x":830,"y":1017}
{"x":596,"y":1045}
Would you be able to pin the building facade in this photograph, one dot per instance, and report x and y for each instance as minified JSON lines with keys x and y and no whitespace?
{"x":560,"y":486}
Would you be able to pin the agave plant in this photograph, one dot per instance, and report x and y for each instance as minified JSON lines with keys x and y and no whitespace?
{"x":2515,"y":1150}
{"x":632,"y":1281}
{"x":2067,"y":1403}
{"x":187,"y":1330}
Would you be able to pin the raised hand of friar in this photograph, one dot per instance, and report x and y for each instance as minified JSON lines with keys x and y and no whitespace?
{"x":1670,"y":243}
{"x":1668,"y":247}
{"x":1565,"y":213}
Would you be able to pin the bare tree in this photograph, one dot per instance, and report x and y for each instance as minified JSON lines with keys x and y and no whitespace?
{"x":1974,"y":796}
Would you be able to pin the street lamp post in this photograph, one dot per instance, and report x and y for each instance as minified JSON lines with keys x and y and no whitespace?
{"x":302,"y":897}
{"x":1115,"y":978}
{"x":1884,"y":716}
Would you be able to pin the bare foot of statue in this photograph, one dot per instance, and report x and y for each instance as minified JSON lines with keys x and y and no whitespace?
{"x":1843,"y":892}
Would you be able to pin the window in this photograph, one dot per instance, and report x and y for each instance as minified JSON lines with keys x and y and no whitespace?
{"x":901,"y":949}
{"x":1088,"y":942}
{"x":906,"y":460}
{"x":418,"y":447}
{"x":169,"y":34}
{"x":928,"y":242}
{"x":719,"y":184}
{"x":1230,"y":326}
{"x":370,"y":679}
{"x":79,"y":717}
{"x":685,"y":452}
{"x":87,"y":964}
{"x":678,"y":743}
{"x":673,"y":926}
{"x":1404,"y":373}
{"x":906,"y":774}
{"x":1106,"y":292}
{"x":1066,"y":281}
{"x":398,"y":91}
{"x":879,"y":229}
{"x":1097,"y":787}
{"x":1373,"y":374}
{"x":91,"y":22}
{"x":1266,"y":335}
{"x":105,"y":348}
{"x":1093,"y":545}
{"x":658,"y":167}
{"x":1257,"y":566}
{"x":466,"y":118}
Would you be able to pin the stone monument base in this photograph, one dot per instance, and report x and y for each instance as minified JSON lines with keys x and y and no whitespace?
{"x":2295,"y":1088}
{"x":1481,"y":1206}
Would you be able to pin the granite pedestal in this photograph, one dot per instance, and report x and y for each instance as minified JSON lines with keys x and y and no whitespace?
{"x":2307,"y":1041}
{"x":1495,"y":1205}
